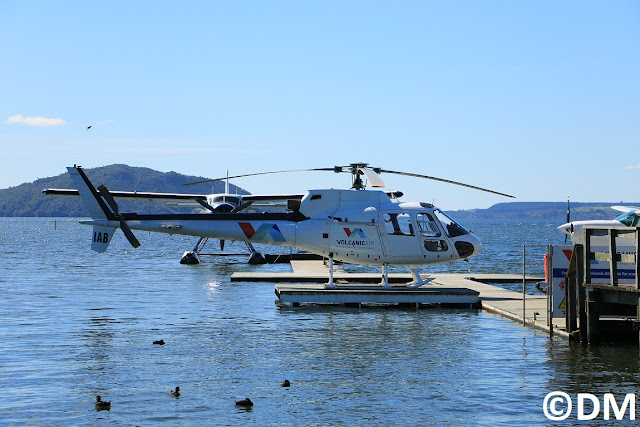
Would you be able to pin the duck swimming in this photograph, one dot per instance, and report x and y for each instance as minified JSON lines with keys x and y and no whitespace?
{"x":246,"y":402}
{"x":102,"y":405}
{"x":159,"y":342}
{"x":175,"y":393}
{"x":285,"y":383}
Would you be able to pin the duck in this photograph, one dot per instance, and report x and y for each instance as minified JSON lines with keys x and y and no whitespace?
{"x":175,"y":393}
{"x":159,"y":342}
{"x":102,"y":405}
{"x":285,"y":383}
{"x":246,"y":402}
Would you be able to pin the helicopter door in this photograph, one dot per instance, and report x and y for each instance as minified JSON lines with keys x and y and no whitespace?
{"x":355,"y":242}
{"x":400,"y":241}
{"x":435,"y":244}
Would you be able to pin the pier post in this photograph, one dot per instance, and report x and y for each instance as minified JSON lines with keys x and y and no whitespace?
{"x":582,"y":297}
{"x":524,"y":286}
{"x":637,"y":253}
{"x":613,"y":257}
{"x":572,"y":281}
{"x":593,"y":318}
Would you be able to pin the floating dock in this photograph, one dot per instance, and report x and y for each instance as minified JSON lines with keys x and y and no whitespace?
{"x":306,"y":285}
{"x":370,"y":295}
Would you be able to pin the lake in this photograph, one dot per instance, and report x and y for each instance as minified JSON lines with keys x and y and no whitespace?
{"x":76,"y":324}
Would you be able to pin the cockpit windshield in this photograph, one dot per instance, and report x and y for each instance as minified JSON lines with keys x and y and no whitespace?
{"x":452,"y":228}
{"x":226,"y":199}
{"x":630,"y":219}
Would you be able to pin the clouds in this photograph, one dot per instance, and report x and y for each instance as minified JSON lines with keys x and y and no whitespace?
{"x":35,"y":121}
{"x":632,"y":167}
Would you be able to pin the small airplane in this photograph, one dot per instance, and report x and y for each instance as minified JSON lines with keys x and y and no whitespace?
{"x":575,"y":229}
{"x":357,"y":226}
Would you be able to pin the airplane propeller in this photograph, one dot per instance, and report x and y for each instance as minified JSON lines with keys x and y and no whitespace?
{"x":357,"y":170}
{"x":235,"y":210}
{"x":568,"y":220}
{"x":123,"y":224}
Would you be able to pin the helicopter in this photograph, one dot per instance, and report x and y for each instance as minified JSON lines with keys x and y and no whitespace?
{"x":356,"y":225}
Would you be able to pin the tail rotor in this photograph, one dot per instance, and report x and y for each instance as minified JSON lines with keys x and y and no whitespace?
{"x":123,"y":224}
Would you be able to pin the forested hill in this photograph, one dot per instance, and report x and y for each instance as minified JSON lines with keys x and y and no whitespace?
{"x":27,"y":199}
{"x":555,"y":212}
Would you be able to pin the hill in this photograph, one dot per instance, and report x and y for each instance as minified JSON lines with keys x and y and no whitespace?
{"x":27,"y":199}
{"x":555,"y":212}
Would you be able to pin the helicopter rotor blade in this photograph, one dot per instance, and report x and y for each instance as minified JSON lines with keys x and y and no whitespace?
{"x":255,"y":174}
{"x":415,"y":175}
{"x":373,"y":177}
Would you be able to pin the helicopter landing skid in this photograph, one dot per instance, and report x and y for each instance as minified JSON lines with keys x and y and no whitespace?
{"x":418,"y":280}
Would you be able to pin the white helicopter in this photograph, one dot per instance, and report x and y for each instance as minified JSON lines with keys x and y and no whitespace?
{"x":575,"y":229}
{"x":354,"y":226}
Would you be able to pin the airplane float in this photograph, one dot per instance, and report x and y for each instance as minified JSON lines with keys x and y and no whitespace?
{"x":575,"y":229}
{"x":356,"y":226}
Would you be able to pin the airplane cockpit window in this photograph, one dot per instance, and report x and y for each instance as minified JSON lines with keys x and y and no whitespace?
{"x":630,"y":219}
{"x":228,"y":199}
{"x":398,"y":224}
{"x":452,"y":228}
{"x":427,"y":225}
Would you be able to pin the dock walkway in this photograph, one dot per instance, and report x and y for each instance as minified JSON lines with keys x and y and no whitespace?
{"x":493,"y":299}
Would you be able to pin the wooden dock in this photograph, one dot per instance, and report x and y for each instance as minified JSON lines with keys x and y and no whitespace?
{"x":445,"y":289}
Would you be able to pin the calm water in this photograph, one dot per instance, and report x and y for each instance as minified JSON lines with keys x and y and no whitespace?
{"x":75,"y":324}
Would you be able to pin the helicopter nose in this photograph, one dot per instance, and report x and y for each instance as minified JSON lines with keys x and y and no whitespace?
{"x":468,"y":246}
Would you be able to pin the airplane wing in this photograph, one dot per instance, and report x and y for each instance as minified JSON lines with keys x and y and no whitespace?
{"x":129,"y":194}
{"x":172,"y":196}
{"x":627,"y":209}
{"x":179,"y":199}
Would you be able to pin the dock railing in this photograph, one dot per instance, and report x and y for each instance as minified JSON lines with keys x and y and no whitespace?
{"x":529,"y":259}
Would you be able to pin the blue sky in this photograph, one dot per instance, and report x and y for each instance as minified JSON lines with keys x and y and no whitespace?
{"x":536,"y":99}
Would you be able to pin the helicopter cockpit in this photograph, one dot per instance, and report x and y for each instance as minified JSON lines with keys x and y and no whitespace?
{"x":452,"y":228}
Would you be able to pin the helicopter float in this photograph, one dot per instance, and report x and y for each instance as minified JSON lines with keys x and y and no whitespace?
{"x":356,"y":226}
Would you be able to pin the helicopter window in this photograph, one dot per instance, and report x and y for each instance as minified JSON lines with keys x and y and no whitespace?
{"x":427,"y":225}
{"x":630,"y":219}
{"x":436,"y":245}
{"x":398,"y":224}
{"x":452,"y":228}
